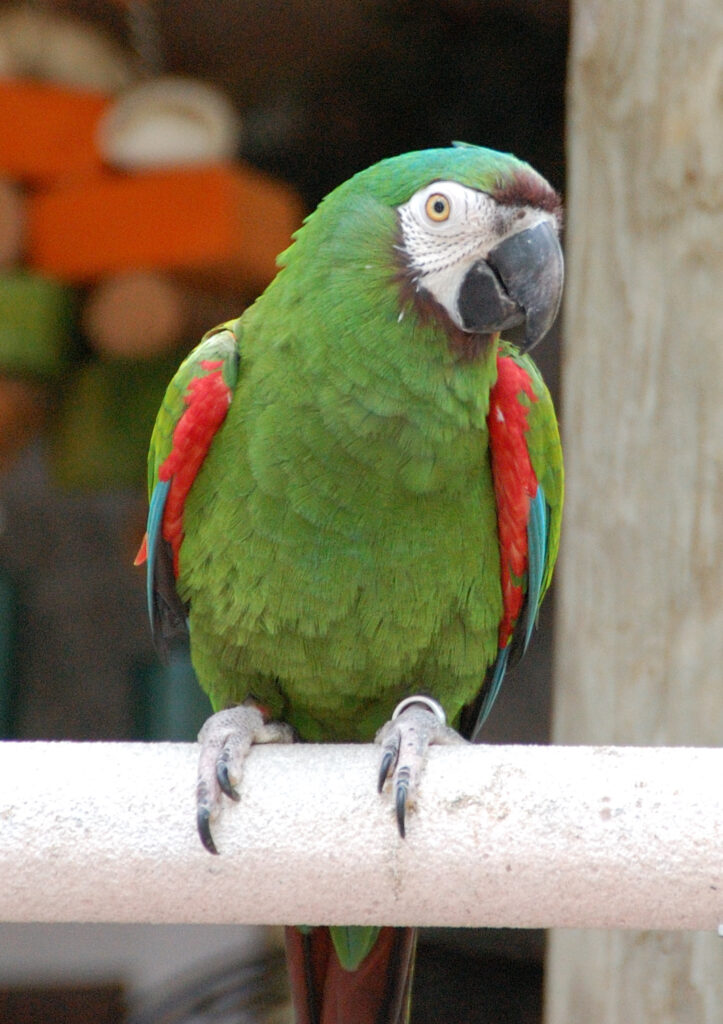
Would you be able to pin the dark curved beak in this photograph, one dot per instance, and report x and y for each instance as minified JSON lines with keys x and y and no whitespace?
{"x":520,"y":280}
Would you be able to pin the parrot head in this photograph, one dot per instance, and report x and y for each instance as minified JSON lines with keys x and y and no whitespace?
{"x":473,"y":235}
{"x":489,"y":260}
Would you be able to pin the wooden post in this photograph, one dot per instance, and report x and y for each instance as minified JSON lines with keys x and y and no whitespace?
{"x":640,"y":627}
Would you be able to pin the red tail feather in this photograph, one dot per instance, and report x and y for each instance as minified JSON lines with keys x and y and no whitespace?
{"x":325,"y":993}
{"x":142,"y":555}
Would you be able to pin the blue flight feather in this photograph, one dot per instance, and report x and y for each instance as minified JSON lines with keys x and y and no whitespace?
{"x":493,"y":688}
{"x":537,"y":526}
{"x":153,"y":531}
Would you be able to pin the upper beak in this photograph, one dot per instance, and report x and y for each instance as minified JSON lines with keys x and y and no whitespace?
{"x":521,"y":279}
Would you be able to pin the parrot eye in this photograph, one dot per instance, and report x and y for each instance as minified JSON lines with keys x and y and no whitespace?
{"x":437,"y":207}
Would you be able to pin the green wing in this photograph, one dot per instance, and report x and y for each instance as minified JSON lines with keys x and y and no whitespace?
{"x":220,"y":344}
{"x":542,"y":441}
{"x":543,"y":444}
{"x":193,"y":408}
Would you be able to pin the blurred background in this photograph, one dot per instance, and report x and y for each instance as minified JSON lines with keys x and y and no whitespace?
{"x":155,"y":158}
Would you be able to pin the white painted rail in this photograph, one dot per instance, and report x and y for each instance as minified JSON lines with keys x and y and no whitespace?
{"x":609,"y":837}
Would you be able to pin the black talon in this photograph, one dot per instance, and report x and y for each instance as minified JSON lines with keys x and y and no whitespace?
{"x":203,"y":824}
{"x":386,"y":764}
{"x":223,"y":779}
{"x":401,"y":806}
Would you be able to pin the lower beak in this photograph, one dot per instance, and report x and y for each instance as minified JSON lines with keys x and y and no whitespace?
{"x":520,"y":280}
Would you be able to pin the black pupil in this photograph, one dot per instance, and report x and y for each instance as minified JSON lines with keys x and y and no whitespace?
{"x":439,"y":206}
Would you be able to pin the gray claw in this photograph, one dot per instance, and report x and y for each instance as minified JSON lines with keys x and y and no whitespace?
{"x":416,"y":723}
{"x":226,"y":739}
{"x":223,"y":779}
{"x":401,"y":791}
{"x":203,"y":819}
{"x":390,"y":756}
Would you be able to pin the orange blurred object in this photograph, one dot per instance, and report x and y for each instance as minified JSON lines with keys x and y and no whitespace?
{"x":225,"y":223}
{"x":48,"y":131}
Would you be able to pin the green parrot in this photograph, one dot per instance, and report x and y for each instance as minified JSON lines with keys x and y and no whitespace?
{"x":355,"y":500}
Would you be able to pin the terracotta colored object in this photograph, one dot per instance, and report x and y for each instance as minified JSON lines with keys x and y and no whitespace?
{"x":48,"y":131}
{"x":23,"y":408}
{"x":12,"y":223}
{"x":148,"y":313}
{"x":134,"y":315}
{"x":225,"y":223}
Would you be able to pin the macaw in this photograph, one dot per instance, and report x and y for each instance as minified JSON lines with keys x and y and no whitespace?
{"x":355,"y":500}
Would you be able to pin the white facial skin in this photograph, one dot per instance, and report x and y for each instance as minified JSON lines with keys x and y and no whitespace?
{"x":446,"y":227}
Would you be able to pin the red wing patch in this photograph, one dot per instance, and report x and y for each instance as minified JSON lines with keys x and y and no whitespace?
{"x":515,"y":482}
{"x":207,"y":400}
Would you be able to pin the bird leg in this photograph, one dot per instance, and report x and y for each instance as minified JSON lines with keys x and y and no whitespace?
{"x":226,"y":739}
{"x":415,"y":723}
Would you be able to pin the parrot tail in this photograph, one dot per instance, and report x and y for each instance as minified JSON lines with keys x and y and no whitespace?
{"x":324,"y":992}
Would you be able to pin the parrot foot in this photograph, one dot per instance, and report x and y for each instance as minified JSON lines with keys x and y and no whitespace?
{"x":226,"y":739}
{"x":416,"y":723}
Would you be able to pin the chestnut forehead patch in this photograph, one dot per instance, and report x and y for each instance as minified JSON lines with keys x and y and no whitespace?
{"x":528,"y":189}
